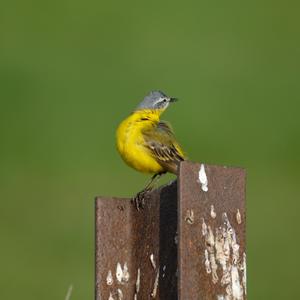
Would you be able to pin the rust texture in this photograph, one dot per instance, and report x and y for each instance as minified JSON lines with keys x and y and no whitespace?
{"x":187,"y":243}
{"x":142,"y":241}
{"x":201,"y":215}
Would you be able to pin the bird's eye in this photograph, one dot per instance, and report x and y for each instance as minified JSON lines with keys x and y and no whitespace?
{"x":164,"y":100}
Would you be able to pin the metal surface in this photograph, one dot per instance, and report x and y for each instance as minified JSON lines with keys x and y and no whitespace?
{"x":211,"y":233}
{"x":136,"y":252}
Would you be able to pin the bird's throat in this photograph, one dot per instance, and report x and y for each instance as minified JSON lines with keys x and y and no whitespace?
{"x":148,"y":114}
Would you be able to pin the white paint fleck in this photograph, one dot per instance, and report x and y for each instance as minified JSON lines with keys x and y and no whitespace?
{"x":225,"y":219}
{"x":228,"y":290}
{"x":204,"y":227}
{"x":203,"y":178}
{"x":120,"y":294}
{"x":109,"y":278}
{"x":238,"y":217}
{"x":214,"y":268}
{"x":244,"y":270}
{"x":237,"y":289}
{"x":212,"y":212}
{"x":210,"y":240}
{"x":220,"y":297}
{"x":164,"y":270}
{"x":126,"y":274}
{"x":154,"y":291}
{"x":235,"y":252}
{"x":231,"y":237}
{"x":111,"y":297}
{"x":222,"y":254}
{"x":119,"y":272}
{"x":190,"y":218}
{"x":207,"y":262}
{"x":138,"y":281}
{"x":176,"y":238}
{"x":152,"y":261}
{"x":210,"y":243}
{"x":122,"y":274}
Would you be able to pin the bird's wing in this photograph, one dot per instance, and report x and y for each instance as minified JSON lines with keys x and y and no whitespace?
{"x":161,"y":142}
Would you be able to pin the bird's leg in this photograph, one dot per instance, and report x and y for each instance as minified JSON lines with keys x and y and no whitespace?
{"x":139,"y":199}
{"x":150,"y":184}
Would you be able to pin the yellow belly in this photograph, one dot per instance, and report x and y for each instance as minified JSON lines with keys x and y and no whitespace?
{"x":130,"y":143}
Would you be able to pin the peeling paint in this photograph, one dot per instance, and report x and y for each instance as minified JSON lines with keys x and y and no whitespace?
{"x":111,"y":297}
{"x":214,"y":268}
{"x":223,"y":251}
{"x":210,"y":240}
{"x":154,"y":291}
{"x":152,"y":261}
{"x":204,"y":227}
{"x":126,"y":274}
{"x":210,"y":243}
{"x":122,"y":274}
{"x":237,"y":289}
{"x":190,"y":218}
{"x":222,"y":248}
{"x":203,"y":178}
{"x":207,"y":262}
{"x":238,"y":217}
{"x":244,"y":270}
{"x":138,"y":281}
{"x":120,"y":294}
{"x":212,"y":212}
{"x":109,"y":278}
{"x":119,"y":272}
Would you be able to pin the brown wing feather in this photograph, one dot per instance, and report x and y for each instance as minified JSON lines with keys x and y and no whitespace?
{"x":162,"y":144}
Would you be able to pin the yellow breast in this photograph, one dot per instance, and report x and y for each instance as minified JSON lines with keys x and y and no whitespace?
{"x":130,"y":142}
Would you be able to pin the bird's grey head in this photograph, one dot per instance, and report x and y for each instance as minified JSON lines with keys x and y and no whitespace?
{"x":156,"y":100}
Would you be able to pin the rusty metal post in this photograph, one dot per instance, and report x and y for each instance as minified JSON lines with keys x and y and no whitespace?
{"x":211,"y":230}
{"x":136,"y":252}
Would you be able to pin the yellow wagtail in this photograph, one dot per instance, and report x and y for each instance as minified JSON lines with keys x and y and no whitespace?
{"x":147,"y":144}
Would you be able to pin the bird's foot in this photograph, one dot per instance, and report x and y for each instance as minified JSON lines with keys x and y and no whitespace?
{"x":139,"y":200}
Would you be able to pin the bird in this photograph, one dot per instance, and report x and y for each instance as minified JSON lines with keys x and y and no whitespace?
{"x":147,"y":143}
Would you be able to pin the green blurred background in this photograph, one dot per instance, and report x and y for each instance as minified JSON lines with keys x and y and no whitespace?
{"x":71,"y":70}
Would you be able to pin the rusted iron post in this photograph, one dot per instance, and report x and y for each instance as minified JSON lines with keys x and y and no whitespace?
{"x":136,"y":252}
{"x":193,"y":250}
{"x":211,"y":231}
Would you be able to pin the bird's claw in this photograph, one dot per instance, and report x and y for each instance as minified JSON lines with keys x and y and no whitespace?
{"x":139,"y":200}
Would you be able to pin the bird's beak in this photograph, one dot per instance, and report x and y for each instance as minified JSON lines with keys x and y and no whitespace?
{"x":173,"y":99}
